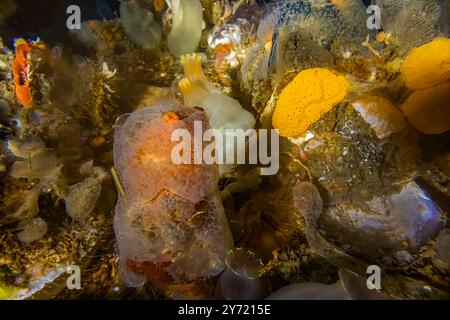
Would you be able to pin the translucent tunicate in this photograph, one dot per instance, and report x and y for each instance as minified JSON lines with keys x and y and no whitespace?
{"x":169,"y":223}
{"x":242,"y":278}
{"x":311,"y":291}
{"x":139,"y":24}
{"x":186,"y":26}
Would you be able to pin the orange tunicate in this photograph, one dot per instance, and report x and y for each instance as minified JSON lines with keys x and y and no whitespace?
{"x":384,"y":118}
{"x":427,"y":65}
{"x":428,"y":110}
{"x":311,"y":94}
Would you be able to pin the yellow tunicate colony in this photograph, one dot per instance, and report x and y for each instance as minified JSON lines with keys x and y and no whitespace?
{"x":428,"y":110}
{"x":311,"y":94}
{"x":427,"y":65}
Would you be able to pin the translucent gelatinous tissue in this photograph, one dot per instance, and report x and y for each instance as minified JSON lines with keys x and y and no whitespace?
{"x":170,"y":223}
{"x":139,"y":24}
{"x":186,"y":26}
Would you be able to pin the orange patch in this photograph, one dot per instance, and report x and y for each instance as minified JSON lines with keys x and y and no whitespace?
{"x":170,"y":116}
{"x":20,"y":69}
{"x":159,"y":5}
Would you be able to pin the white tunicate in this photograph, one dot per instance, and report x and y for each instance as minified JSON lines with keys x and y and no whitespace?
{"x":81,"y":199}
{"x":33,"y":231}
{"x":311,"y":291}
{"x":140,"y":25}
{"x":186,"y":27}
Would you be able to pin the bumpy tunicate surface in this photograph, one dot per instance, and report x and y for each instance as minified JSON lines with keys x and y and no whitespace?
{"x":170,"y":225}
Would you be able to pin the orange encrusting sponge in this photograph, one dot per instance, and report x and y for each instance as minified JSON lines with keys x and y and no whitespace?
{"x":311,"y":94}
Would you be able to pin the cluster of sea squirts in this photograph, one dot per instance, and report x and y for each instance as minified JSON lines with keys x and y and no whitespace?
{"x":87,"y":177}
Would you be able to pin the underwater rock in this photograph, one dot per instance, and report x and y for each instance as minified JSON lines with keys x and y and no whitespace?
{"x":139,"y":24}
{"x":404,"y":220}
{"x":443,"y":248}
{"x":169,"y":223}
{"x":186,"y":31}
{"x":428,"y":18}
{"x":326,"y":20}
{"x":297,"y":51}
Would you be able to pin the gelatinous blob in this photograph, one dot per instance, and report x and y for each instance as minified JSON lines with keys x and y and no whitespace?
{"x":139,"y":24}
{"x":384,"y":118}
{"x":311,"y":291}
{"x":242,"y":278}
{"x":186,"y":26}
{"x":170,"y":225}
{"x":443,"y":248}
{"x":428,"y":110}
{"x":311,"y":94}
{"x":405,"y":220}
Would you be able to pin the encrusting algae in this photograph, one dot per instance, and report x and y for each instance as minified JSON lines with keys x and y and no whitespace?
{"x":311,"y":94}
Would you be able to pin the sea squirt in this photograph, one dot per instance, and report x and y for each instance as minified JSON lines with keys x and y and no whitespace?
{"x":186,"y":26}
{"x":169,"y":223}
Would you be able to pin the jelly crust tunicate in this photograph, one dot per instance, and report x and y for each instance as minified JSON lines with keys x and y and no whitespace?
{"x":170,"y":223}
